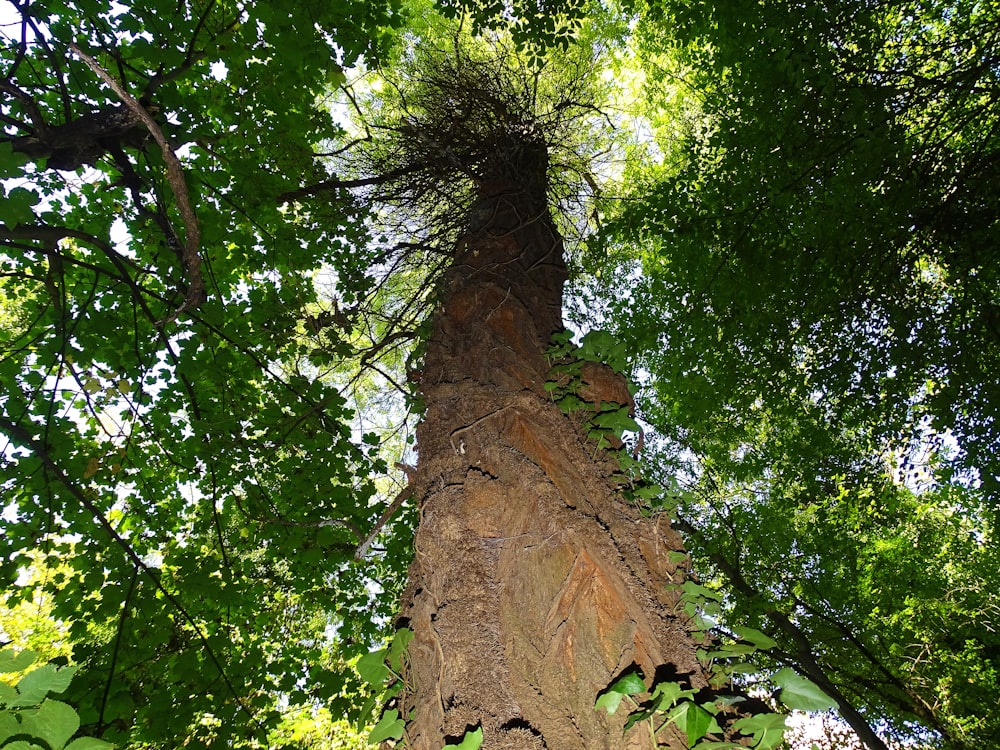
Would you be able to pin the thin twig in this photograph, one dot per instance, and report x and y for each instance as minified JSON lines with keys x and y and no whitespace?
{"x":460,"y":448}
{"x":337,"y":184}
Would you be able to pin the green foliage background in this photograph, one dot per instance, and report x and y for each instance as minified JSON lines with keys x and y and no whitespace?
{"x":797,"y":250}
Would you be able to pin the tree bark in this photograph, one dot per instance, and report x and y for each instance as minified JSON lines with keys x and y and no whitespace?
{"x":534,"y":584}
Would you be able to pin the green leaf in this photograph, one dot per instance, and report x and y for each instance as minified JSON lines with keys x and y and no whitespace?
{"x":49,"y":678}
{"x":54,"y":721}
{"x":397,"y":649}
{"x":8,"y":695}
{"x":666,"y":694}
{"x":390,"y":726}
{"x":801,"y":694}
{"x":602,"y":346}
{"x":609,"y":702}
{"x":17,"y":207}
{"x":694,"y":592}
{"x":16,"y":661}
{"x":365,"y":713}
{"x":372,"y":668}
{"x":11,"y":161}
{"x":9,"y":725}
{"x":757,"y":638}
{"x":729,"y":650}
{"x":618,"y":420}
{"x":767,"y":730}
{"x":471,"y":741}
{"x":692,"y":719}
{"x":628,"y":684}
{"x":88,"y":743}
{"x":742,"y":668}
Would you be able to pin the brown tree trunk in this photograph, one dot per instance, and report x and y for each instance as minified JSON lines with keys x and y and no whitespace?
{"x":534,"y":583}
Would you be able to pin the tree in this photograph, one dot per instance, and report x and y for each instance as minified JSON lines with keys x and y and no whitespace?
{"x":534,"y":584}
{"x":164,"y":426}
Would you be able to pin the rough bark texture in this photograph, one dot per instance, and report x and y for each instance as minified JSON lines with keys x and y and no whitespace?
{"x":534,"y":584}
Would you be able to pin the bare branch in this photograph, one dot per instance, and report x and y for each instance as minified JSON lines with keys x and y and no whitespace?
{"x":29,"y":104}
{"x":335,"y":184}
{"x":397,"y":501}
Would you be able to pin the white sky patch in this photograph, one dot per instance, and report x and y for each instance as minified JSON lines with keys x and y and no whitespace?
{"x":10,"y":17}
{"x":219,"y":71}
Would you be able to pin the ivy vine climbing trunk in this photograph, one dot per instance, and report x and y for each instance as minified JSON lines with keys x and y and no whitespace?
{"x":534,"y":583}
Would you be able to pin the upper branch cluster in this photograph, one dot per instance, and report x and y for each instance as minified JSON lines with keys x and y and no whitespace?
{"x":461,"y":123}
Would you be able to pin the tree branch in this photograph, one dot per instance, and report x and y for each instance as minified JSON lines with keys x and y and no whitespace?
{"x":362,"y":550}
{"x":335,"y":184}
{"x":196,"y":293}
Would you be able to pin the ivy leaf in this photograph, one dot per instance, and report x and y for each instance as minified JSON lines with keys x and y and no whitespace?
{"x":372,"y":669}
{"x":757,"y":638}
{"x":799,"y":693}
{"x":602,"y":346}
{"x":471,"y":741}
{"x":767,"y":730}
{"x":389,"y":727}
{"x":666,"y":694}
{"x":730,"y":650}
{"x":628,"y":684}
{"x":398,"y":648}
{"x":692,"y":719}
{"x":617,"y":420}
{"x":695,"y":591}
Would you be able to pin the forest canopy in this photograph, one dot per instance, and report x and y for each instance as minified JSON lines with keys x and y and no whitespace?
{"x":224,"y":236}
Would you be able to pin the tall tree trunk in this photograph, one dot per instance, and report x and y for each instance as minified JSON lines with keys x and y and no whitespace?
{"x":534,"y":583}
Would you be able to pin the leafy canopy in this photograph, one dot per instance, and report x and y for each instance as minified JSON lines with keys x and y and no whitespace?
{"x":160,"y":458}
{"x":811,"y":264}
